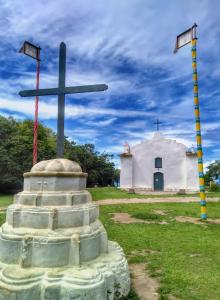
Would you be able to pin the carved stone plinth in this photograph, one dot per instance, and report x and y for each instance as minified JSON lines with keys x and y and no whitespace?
{"x":53,"y":246}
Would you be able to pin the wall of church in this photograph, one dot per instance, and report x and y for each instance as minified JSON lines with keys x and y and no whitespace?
{"x":179,"y":171}
{"x":173,"y":164}
{"x":126,"y":174}
{"x":192,"y":179}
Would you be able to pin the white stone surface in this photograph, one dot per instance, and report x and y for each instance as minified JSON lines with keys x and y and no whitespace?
{"x":56,"y":165}
{"x":179,"y":170}
{"x":53,"y":246}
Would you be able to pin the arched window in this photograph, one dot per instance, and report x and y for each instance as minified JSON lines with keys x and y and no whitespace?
{"x":158,"y":162}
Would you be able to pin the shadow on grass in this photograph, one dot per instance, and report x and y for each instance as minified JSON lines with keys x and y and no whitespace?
{"x":131,"y":296}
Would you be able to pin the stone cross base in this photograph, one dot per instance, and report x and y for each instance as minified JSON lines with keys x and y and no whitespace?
{"x":53,"y":246}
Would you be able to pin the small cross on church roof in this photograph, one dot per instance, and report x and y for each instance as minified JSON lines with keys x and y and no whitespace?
{"x":158,"y":124}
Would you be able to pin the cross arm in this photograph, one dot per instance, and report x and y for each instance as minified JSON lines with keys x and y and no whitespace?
{"x":65,"y":90}
{"x":86,"y":88}
{"x":40,"y":92}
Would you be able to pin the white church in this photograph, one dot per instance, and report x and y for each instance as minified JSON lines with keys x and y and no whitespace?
{"x":159,"y":164}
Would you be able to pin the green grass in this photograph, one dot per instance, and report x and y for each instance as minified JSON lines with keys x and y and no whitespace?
{"x":213,"y":194}
{"x":102,"y":193}
{"x":2,"y":218}
{"x":115,"y":193}
{"x":5,"y":200}
{"x":184,"y":256}
{"x":146,"y":216}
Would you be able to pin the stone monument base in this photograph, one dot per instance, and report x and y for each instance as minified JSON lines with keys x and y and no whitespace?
{"x":53,"y":246}
{"x":106,"y":277}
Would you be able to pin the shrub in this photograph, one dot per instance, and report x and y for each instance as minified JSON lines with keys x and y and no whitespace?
{"x":214,"y":187}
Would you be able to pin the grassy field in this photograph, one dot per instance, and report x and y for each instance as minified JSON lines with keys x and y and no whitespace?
{"x":115,"y":193}
{"x":184,"y":257}
{"x":5,"y":200}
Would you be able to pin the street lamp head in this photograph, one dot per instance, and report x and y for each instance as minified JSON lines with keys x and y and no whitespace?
{"x":30,"y":50}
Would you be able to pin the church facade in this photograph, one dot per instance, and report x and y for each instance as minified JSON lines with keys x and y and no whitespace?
{"x":159,"y":164}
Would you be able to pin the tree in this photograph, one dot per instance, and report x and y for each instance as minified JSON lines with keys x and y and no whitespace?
{"x":213,"y":172}
{"x":98,"y":166}
{"x":16,"y":146}
{"x":8,"y":171}
{"x":117,"y":176}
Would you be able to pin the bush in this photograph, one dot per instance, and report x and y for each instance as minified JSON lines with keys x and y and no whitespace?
{"x":214,"y":187}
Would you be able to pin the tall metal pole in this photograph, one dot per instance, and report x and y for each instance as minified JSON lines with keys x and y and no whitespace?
{"x":61,"y":101}
{"x":35,"y":144}
{"x":198,"y":129}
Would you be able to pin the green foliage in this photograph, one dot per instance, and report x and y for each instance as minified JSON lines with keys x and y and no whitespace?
{"x":214,"y":187}
{"x":98,"y":166}
{"x":207,"y":179}
{"x":16,"y":139}
{"x":213,"y":170}
{"x":16,"y":146}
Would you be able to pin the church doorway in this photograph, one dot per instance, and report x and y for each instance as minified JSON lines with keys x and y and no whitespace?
{"x":158,"y":181}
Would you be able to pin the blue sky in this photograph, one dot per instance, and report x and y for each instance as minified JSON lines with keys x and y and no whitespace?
{"x":127,"y":44}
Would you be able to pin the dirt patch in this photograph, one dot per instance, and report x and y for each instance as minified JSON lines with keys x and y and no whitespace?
{"x":193,"y":220}
{"x":160,"y":212}
{"x":214,"y":221}
{"x":144,"y":285}
{"x":125,"y":218}
{"x":171,"y":297}
{"x":184,"y":219}
{"x":143,"y":252}
{"x":195,"y":255}
{"x":153,"y":200}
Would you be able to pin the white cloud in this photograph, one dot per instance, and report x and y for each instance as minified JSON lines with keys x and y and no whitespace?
{"x":102,"y":37}
{"x":49,"y":110}
{"x":107,"y":28}
{"x":15,"y":116}
{"x":101,"y":123}
{"x":87,"y":135}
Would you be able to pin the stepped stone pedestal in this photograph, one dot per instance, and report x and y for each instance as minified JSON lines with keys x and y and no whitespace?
{"x":53,"y":245}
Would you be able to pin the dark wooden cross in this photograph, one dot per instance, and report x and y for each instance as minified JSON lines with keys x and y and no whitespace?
{"x":158,"y":124}
{"x":61,"y":91}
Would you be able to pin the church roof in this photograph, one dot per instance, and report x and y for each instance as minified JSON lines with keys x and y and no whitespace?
{"x":158,"y":135}
{"x":157,"y":138}
{"x":125,"y":155}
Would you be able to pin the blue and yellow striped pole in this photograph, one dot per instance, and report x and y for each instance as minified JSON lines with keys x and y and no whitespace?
{"x":198,"y":133}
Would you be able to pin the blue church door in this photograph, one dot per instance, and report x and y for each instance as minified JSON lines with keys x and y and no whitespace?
{"x":158,"y":181}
